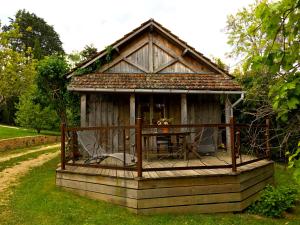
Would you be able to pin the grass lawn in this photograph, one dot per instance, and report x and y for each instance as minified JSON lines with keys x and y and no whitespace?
{"x":36,"y":200}
{"x":11,"y":132}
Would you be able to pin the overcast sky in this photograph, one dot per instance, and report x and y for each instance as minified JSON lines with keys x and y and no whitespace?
{"x":81,"y":22}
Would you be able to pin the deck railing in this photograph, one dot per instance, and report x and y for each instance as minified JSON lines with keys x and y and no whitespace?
{"x":181,"y":145}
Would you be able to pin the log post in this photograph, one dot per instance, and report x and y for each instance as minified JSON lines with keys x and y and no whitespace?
{"x":227,"y":121}
{"x":75,"y":152}
{"x":267,"y":137}
{"x":138,"y":130}
{"x":83,"y":110}
{"x":62,"y":147}
{"x":233,"y":154}
{"x":184,"y":116}
{"x":132,"y":120}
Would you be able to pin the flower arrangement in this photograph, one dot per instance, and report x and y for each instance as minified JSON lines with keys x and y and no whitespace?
{"x":164,"y":121}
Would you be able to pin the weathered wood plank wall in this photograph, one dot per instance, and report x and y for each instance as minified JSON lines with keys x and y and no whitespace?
{"x":153,"y":53}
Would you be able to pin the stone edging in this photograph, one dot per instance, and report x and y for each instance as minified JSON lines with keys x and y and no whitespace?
{"x":23,"y":142}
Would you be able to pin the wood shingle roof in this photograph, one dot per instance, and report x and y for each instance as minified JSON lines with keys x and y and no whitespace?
{"x":176,"y":81}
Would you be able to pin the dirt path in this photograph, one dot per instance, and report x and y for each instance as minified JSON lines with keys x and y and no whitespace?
{"x":11,"y":175}
{"x":15,"y":155}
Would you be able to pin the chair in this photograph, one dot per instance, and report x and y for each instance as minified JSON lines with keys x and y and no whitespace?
{"x":204,"y":141}
{"x":87,"y":139}
{"x":163,"y":140}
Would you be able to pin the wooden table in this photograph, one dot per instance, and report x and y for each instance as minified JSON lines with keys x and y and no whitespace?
{"x":179,"y":135}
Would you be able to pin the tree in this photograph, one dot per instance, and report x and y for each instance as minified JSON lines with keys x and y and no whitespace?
{"x":88,"y":51}
{"x":16,"y":67}
{"x":35,"y":34}
{"x":76,"y":58}
{"x":32,"y":114}
{"x":52,"y":83}
{"x":266,"y":37}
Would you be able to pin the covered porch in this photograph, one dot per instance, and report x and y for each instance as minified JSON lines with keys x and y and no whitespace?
{"x":164,"y":183}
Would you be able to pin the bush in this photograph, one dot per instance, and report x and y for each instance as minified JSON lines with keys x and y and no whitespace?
{"x":274,"y":201}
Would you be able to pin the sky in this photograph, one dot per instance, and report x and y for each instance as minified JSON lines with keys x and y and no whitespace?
{"x":200,"y":23}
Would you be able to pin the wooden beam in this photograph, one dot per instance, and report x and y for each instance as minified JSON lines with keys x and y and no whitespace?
{"x":117,"y":45}
{"x":166,"y":65}
{"x":192,"y":51}
{"x":151,"y":109}
{"x":185,"y":51}
{"x":184,"y":119}
{"x":136,"y":65}
{"x":150,"y":51}
{"x":132,"y":120}
{"x":174,"y":55}
{"x":117,"y":50}
{"x":227,"y":121}
{"x":83,"y":110}
{"x":122,"y":56}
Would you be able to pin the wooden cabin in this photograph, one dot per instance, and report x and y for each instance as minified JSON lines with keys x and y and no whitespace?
{"x":152,"y":74}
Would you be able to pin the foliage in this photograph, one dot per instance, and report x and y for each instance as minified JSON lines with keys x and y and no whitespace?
{"x":98,"y":63}
{"x":274,"y":201}
{"x":220,"y":63}
{"x":32,"y":115}
{"x":294,"y":162}
{"x":52,"y":83}
{"x":16,"y":67}
{"x":266,"y":37}
{"x":88,"y":51}
{"x":285,"y":94}
{"x":75,"y":58}
{"x":35,"y":34}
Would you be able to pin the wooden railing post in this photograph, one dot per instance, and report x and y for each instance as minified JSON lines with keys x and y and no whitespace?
{"x":233,"y":153}
{"x":138,"y":140}
{"x":267,"y":137}
{"x":62,"y":146}
{"x":75,"y":153}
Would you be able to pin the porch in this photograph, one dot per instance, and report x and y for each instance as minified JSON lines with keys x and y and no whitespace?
{"x":222,"y":181}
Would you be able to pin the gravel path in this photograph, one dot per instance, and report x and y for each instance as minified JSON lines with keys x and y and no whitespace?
{"x":11,"y":175}
{"x":15,"y":155}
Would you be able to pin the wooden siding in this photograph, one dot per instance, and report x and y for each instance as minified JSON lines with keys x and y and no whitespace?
{"x":114,"y":109}
{"x":201,"y":193}
{"x":109,"y":110}
{"x":152,"y":52}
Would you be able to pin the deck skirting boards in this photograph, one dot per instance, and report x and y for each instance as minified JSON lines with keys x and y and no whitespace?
{"x":202,"y":194}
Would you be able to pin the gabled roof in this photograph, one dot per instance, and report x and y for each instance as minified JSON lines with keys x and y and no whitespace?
{"x":150,"y":24}
{"x":216,"y":80}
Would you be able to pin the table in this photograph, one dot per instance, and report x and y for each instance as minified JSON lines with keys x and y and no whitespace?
{"x":179,"y":135}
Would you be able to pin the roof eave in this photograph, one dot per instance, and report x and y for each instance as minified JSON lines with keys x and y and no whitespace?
{"x":140,"y":90}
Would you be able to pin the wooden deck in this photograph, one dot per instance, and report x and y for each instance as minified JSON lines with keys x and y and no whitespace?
{"x":220,"y":160}
{"x":177,"y":191}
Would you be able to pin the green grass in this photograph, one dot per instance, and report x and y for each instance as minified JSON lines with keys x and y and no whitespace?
{"x":17,"y":160}
{"x":38,"y":201}
{"x":11,"y":132}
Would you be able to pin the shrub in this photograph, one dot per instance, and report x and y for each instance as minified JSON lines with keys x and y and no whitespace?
{"x":274,"y":201}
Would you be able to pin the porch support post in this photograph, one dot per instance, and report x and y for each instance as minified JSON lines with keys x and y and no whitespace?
{"x":184,"y":119}
{"x":83,"y":110}
{"x":132,"y":120}
{"x":227,"y":121}
{"x":151,"y":109}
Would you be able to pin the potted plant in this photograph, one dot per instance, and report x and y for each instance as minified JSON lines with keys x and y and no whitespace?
{"x":164,"y":122}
